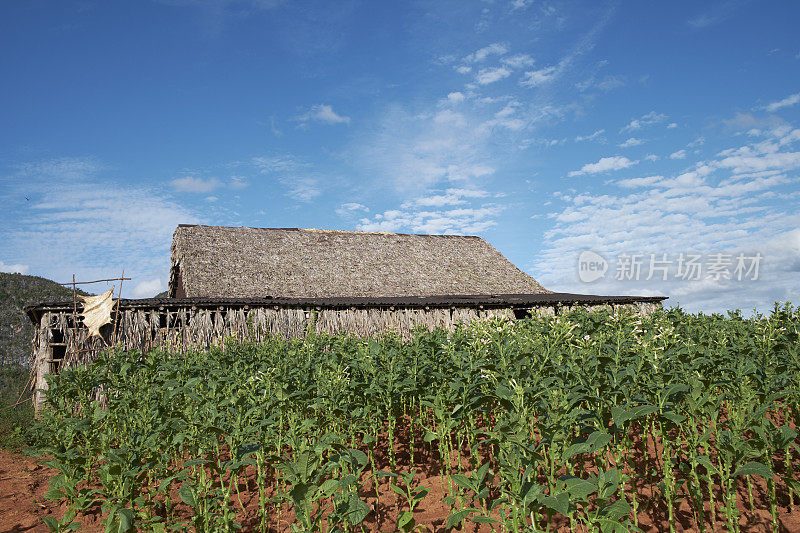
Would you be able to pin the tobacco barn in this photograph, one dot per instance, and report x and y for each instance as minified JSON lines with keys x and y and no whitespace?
{"x":248,"y":283}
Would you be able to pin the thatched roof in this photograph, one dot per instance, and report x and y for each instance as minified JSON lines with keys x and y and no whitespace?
{"x":220,"y":262}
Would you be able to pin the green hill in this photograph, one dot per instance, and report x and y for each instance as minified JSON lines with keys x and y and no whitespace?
{"x":16,"y":333}
{"x":16,"y":330}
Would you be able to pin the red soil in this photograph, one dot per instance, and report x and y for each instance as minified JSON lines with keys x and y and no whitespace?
{"x":24,"y":482}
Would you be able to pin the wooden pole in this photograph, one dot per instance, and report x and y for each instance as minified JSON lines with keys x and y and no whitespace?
{"x":73,"y":282}
{"x":116,"y":314}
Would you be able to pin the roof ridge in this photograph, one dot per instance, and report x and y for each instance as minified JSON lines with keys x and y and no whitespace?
{"x":318,"y":230}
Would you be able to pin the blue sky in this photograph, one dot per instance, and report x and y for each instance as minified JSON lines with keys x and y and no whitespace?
{"x":636,"y":130}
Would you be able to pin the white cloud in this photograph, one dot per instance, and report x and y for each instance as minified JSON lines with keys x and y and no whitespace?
{"x":195,"y":185}
{"x":301,"y":188}
{"x":437,"y":200}
{"x":455,"y":97}
{"x":446,"y":116}
{"x":238,"y":182}
{"x":463,"y":69}
{"x":273,"y":126}
{"x":700,"y":141}
{"x":277,"y":163}
{"x":672,"y":125}
{"x":748,"y":122}
{"x":609,"y":83}
{"x":680,"y":154}
{"x":733,"y":203}
{"x":539,"y":77}
{"x":14,"y":269}
{"x":92,"y":225}
{"x":299,"y":179}
{"x":491,"y":75}
{"x":645,"y":120}
{"x":458,"y":221}
{"x":631,"y":183}
{"x":596,"y":135}
{"x":351,"y":208}
{"x":605,"y":164}
{"x":652,"y":157}
{"x":715,"y":13}
{"x":518,"y":61}
{"x":780,"y":104}
{"x":450,"y":197}
{"x":633,"y":141}
{"x":416,"y":151}
{"x":322,"y":113}
{"x":756,"y":162}
{"x":486,"y":51}
{"x":468,"y":193}
{"x":148,"y":289}
{"x":605,"y":84}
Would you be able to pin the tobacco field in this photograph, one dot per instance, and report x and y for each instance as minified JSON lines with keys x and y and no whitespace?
{"x":585,"y":421}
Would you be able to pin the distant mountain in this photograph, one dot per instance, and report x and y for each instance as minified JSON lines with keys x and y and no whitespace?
{"x":16,"y":330}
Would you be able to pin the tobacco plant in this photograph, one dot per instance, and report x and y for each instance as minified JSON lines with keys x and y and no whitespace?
{"x":590,"y":419}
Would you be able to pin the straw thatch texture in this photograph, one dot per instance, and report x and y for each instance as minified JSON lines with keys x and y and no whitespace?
{"x":212,"y":261}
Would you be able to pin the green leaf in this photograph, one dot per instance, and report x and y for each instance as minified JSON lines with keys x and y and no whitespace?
{"x":785,"y":436}
{"x":359,"y":456}
{"x":462,"y":481}
{"x":594,"y":442}
{"x":672,"y":416}
{"x":792,"y":483}
{"x":357,"y":510}
{"x":405,"y":521}
{"x":126,"y":517}
{"x":51,"y":523}
{"x":616,"y":510}
{"x":480,"y":474}
{"x":558,"y":503}
{"x":579,"y":489}
{"x":420,"y":493}
{"x":54,"y":494}
{"x":575,"y":449}
{"x":329,"y":486}
{"x":186,"y":493}
{"x":642,"y":411}
{"x":608,"y":525}
{"x":597,"y":440}
{"x":458,"y":516}
{"x":399,"y":491}
{"x":705,"y":461}
{"x":754,"y":468}
{"x":346,"y":481}
{"x":621,"y":415}
{"x":482,"y":519}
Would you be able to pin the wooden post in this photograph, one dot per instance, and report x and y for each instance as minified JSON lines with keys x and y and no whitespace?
{"x":41,"y":362}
